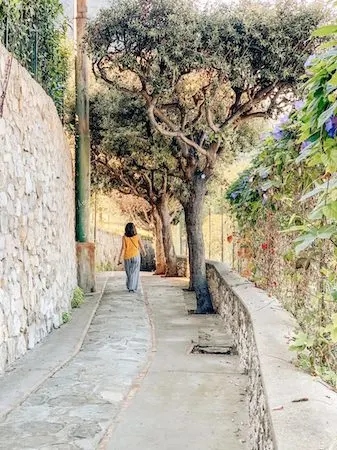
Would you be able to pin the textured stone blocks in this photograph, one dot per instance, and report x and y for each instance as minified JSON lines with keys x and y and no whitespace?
{"x":37,"y":239}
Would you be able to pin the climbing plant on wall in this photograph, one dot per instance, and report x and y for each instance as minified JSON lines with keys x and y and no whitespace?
{"x":286,"y":209}
{"x":318,"y":134}
{"x":35,"y":32}
{"x":275,"y":177}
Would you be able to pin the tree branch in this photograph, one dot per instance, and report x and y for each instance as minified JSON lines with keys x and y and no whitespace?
{"x":103,"y":74}
{"x":150,"y":187}
{"x":210,"y":122}
{"x":254,"y":115}
{"x":198,"y":115}
{"x":255,"y":99}
{"x":119,"y":177}
{"x":152,"y":112}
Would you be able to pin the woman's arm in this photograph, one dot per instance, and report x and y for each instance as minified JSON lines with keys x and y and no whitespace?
{"x":142,"y":248}
{"x":121,"y":254}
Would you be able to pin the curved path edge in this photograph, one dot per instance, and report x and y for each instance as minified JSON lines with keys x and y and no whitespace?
{"x":25,"y":376}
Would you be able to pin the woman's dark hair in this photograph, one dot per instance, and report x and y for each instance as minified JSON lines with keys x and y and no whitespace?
{"x":130,"y":230}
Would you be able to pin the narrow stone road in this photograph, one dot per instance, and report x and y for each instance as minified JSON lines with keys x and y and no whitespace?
{"x":186,"y":401}
{"x":73,"y":408}
{"x":134,"y":385}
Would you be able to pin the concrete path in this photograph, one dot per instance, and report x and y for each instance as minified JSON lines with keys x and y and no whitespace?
{"x":133,"y":384}
{"x":186,"y":401}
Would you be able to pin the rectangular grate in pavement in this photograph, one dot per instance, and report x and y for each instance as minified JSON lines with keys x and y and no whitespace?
{"x":194,"y":311}
{"x":211,"y":350}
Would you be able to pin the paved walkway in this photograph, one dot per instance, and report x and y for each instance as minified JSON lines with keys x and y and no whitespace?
{"x":133,"y":384}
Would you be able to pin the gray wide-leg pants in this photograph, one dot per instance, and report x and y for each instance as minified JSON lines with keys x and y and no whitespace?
{"x":132,"y":269}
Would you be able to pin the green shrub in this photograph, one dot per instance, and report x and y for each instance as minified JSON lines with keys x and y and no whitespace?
{"x":78,"y":298}
{"x":66,"y":317}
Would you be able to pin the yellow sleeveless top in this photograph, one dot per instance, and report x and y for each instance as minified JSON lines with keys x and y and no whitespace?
{"x":131,"y":246}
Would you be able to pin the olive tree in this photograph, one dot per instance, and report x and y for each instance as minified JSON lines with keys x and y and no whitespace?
{"x":128,"y":155}
{"x":200,"y":73}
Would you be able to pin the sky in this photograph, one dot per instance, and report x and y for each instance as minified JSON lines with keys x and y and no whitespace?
{"x":95,"y":5}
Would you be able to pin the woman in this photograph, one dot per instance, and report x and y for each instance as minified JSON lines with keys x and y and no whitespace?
{"x":131,"y":246}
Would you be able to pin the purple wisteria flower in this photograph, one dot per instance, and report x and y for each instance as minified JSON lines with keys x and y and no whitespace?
{"x":304,"y":145}
{"x":299,"y":105}
{"x":331,"y":126}
{"x":234,"y":195}
{"x":277,"y":133}
{"x":264,"y":199}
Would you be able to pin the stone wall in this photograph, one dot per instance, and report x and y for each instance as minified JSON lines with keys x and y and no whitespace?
{"x":183,"y":267}
{"x":238,"y":324}
{"x":287,"y":407}
{"x":37,"y":243}
{"x":108,"y":247}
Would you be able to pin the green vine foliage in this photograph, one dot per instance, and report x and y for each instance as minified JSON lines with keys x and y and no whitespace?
{"x":318,"y":133}
{"x":274,"y":179}
{"x":286,"y":209}
{"x":35,"y":32}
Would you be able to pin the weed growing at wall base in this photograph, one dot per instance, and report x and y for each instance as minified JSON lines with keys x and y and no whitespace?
{"x":66,"y":317}
{"x":78,"y":298}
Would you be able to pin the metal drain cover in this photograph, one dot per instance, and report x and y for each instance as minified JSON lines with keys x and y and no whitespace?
{"x":191,"y":312}
{"x":211,"y":350}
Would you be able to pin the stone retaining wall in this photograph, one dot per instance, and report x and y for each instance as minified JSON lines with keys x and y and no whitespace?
{"x":288,"y":409}
{"x":108,"y":246}
{"x":239,"y":325}
{"x":37,"y":242}
{"x":182,"y":266}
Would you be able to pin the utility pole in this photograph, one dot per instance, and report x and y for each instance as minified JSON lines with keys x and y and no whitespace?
{"x":209,"y":232}
{"x":95,"y":219}
{"x":181,"y":252}
{"x":85,"y":249}
{"x":222,"y":226}
{"x":82,"y":161}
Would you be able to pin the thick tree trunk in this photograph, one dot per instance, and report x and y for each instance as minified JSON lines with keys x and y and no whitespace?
{"x":170,"y":254}
{"x":159,"y":245}
{"x":193,"y":217}
{"x":190,"y":256}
